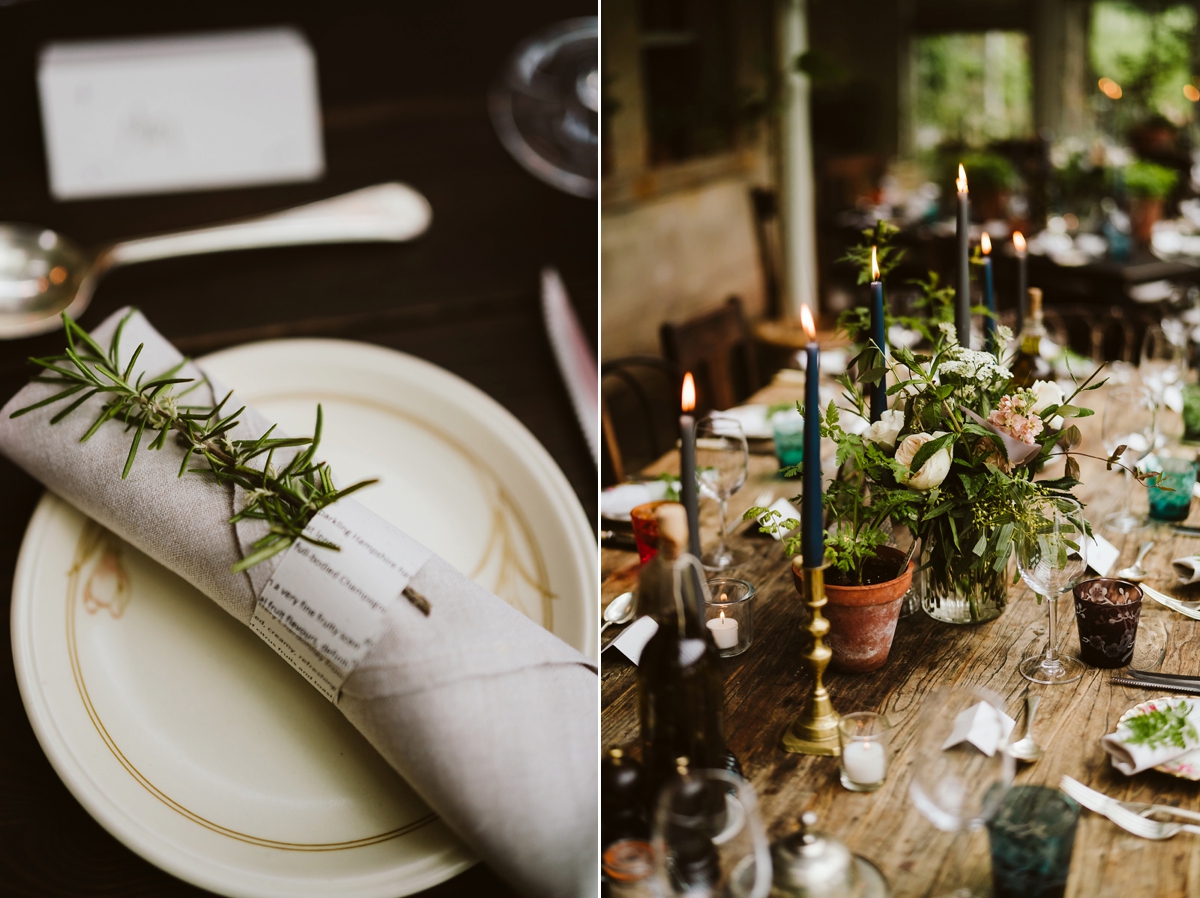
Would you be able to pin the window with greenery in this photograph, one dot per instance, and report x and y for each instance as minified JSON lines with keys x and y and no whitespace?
{"x":691,"y":95}
{"x":1142,"y":58}
{"x":972,"y":89}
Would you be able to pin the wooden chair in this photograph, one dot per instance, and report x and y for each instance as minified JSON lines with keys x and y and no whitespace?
{"x":765,"y":203}
{"x":718,"y":348}
{"x":1104,"y":335}
{"x":639,"y":413}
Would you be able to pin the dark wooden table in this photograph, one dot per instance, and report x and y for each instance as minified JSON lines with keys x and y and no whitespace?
{"x":766,"y":687}
{"x":403,"y":91}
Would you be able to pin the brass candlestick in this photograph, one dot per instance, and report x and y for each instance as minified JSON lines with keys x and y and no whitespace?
{"x":814,"y":732}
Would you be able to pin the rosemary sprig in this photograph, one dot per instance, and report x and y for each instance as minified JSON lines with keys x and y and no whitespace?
{"x":286,"y":499}
{"x":1166,"y":726}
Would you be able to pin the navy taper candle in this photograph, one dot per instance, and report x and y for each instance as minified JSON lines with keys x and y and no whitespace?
{"x":962,"y":297}
{"x":989,"y":298}
{"x":688,"y":485}
{"x":1022,"y":279}
{"x":812,"y":535}
{"x":879,"y":338}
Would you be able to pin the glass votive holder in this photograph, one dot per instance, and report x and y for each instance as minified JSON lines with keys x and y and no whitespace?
{"x":644,"y":519}
{"x":729,"y":615}
{"x":788,"y":430}
{"x":865,"y":738}
{"x":1174,"y":504}
{"x":1107,"y":613}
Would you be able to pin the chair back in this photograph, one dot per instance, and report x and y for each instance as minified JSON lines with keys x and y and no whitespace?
{"x":639,"y":413}
{"x":718,"y":348}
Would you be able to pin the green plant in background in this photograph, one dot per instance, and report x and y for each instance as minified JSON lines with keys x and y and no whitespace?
{"x":1145,"y":180}
{"x":988,"y":171}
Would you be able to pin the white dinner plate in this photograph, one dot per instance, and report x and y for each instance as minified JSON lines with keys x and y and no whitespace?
{"x":187,"y":737}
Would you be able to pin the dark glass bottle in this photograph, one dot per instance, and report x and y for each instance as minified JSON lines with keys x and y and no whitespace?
{"x":622,"y":802}
{"x":1028,"y":365}
{"x":680,"y":685}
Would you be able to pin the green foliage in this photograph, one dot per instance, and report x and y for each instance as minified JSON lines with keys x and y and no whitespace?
{"x":285,"y":497}
{"x":988,"y":171}
{"x":1146,"y":180}
{"x":1163,"y":727}
{"x":889,"y":256}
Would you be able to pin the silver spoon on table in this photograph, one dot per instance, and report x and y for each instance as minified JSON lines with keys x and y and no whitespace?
{"x":1135,"y":573}
{"x":619,"y":610}
{"x":43,"y":273}
{"x":1026,"y":749}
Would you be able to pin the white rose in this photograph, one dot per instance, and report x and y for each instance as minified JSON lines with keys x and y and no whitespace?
{"x":1048,"y":393}
{"x":936,"y":467}
{"x":884,"y":431}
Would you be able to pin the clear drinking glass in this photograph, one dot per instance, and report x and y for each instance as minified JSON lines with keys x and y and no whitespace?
{"x":1129,"y":416}
{"x":708,"y":838}
{"x":1051,"y":555}
{"x":957,"y":784}
{"x":722,"y":465}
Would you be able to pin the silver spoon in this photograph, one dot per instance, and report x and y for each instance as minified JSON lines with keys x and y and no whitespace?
{"x":43,"y":273}
{"x":1027,"y":749}
{"x":1135,"y":573}
{"x":619,"y":610}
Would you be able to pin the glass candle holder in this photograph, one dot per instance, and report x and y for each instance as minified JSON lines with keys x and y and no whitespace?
{"x":729,"y":615}
{"x":865,"y":737}
{"x":1172,"y":504}
{"x":644,"y":519}
{"x":1107,"y":613}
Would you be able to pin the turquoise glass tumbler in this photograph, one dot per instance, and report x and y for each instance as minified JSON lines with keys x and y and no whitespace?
{"x":1173,"y":504}
{"x":1031,"y":838}
{"x":788,"y":430}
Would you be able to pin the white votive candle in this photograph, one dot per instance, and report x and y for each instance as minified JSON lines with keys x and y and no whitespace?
{"x":864,"y":762}
{"x":724,"y":631}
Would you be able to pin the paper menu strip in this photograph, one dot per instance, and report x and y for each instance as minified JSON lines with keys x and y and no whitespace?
{"x":322,"y":610}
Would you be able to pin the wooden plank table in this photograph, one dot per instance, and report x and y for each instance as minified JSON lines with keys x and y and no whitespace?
{"x":766,"y":687}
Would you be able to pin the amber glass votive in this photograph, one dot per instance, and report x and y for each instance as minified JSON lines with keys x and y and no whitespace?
{"x":645,"y":529}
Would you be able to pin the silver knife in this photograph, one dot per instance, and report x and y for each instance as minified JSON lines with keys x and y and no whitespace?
{"x":1173,"y":604}
{"x":574,"y":356}
{"x":1189,"y":689}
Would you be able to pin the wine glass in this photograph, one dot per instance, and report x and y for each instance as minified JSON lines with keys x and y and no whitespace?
{"x":1051,"y":555}
{"x":722,"y":465}
{"x":1129,"y":421}
{"x":708,"y":838}
{"x":1164,"y":357}
{"x":546,"y":104}
{"x":959,"y":784}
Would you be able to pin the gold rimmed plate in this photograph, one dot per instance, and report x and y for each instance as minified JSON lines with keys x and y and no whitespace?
{"x":187,"y":738}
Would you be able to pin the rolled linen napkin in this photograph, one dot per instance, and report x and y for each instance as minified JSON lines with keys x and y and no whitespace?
{"x":492,"y":719}
{"x":1187,"y":569}
{"x":1163,"y":730}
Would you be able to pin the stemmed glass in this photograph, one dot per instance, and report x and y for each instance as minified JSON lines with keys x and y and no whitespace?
{"x":722,"y":465}
{"x":1051,"y":554}
{"x":708,"y":838}
{"x":1129,"y":421}
{"x":1164,"y":357}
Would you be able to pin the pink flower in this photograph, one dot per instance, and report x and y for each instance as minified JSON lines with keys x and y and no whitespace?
{"x":1014,"y":415}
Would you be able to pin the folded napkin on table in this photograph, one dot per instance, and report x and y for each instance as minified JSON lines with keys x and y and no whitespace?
{"x":1166,"y":729}
{"x":1187,"y":569}
{"x":617,"y":502}
{"x":492,"y":719}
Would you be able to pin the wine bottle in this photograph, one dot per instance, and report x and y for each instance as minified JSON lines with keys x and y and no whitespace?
{"x":1028,"y":364}
{"x":680,"y":686}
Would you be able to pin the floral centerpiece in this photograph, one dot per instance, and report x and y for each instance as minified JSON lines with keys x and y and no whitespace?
{"x":953,"y":459}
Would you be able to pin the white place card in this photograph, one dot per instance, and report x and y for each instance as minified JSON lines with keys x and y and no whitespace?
{"x":1101,"y":554}
{"x":787,"y":512}
{"x":167,"y":114}
{"x":634,"y":639}
{"x":983,"y":726}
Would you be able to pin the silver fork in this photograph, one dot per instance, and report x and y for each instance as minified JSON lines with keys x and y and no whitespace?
{"x":1123,"y":813}
{"x":1099,"y":802}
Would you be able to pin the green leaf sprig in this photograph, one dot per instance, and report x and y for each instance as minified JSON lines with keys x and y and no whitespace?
{"x":286,"y":498}
{"x":1162,"y":727}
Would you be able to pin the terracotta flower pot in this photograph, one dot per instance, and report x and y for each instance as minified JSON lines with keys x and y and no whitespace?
{"x":1144,"y":212}
{"x":862,"y":619}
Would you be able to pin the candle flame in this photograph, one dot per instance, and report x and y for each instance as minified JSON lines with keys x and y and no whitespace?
{"x":874,"y":265}
{"x":806,"y":321}
{"x":1019,"y":241}
{"x":722,"y":617}
{"x":961,"y":181}
{"x":688,"y":400}
{"x":985,"y":243}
